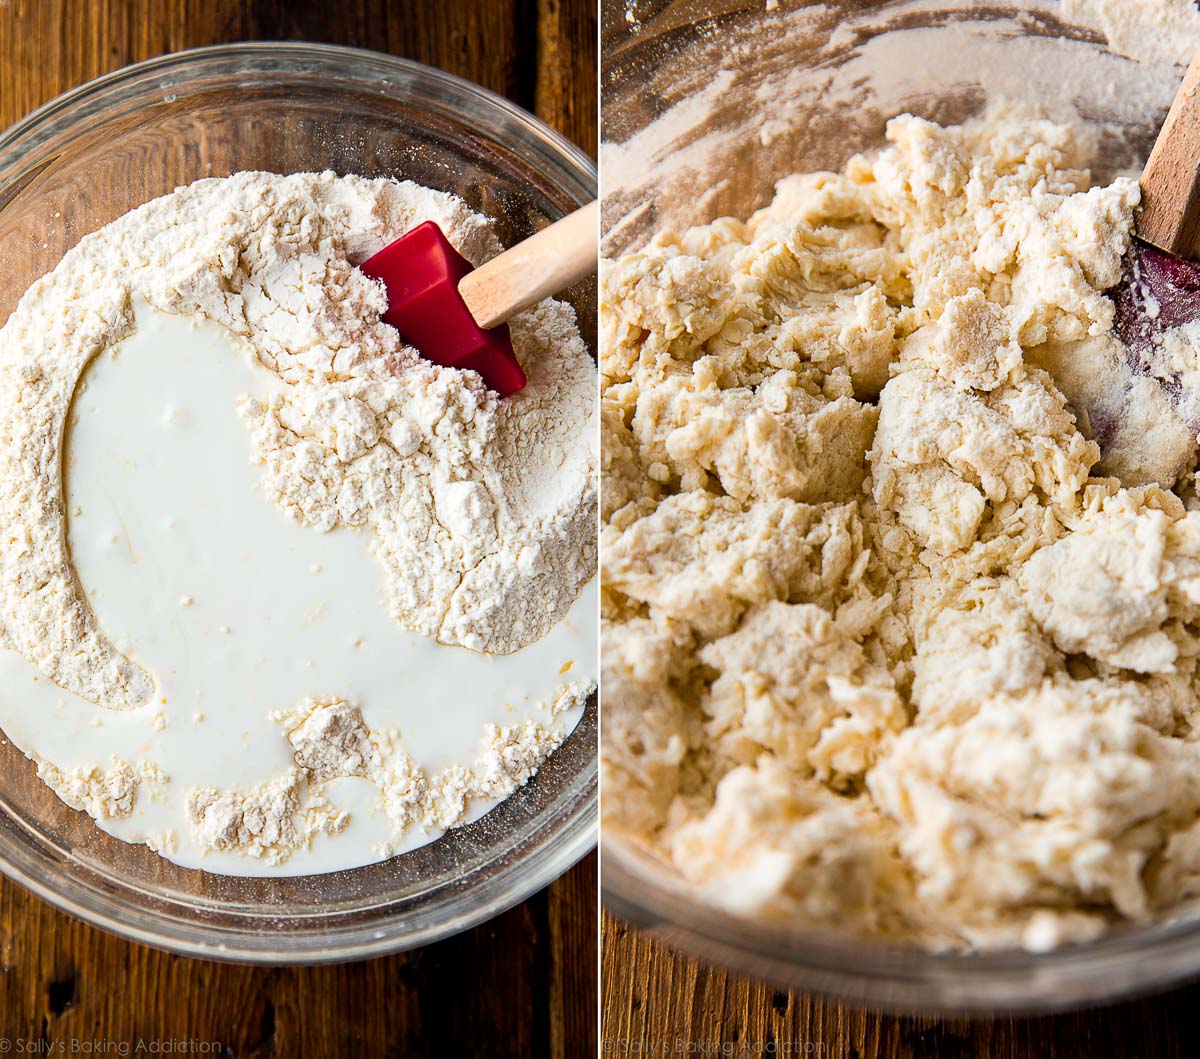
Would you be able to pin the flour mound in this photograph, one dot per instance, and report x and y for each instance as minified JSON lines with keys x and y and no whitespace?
{"x":481,"y":511}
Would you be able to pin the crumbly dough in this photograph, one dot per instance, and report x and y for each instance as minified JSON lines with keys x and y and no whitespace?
{"x":901,"y":591}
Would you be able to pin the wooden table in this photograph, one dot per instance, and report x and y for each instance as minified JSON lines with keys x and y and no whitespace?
{"x":657,"y":1003}
{"x":523,"y":985}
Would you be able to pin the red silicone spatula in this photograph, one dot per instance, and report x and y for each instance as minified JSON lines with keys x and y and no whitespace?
{"x":455,"y":315}
{"x":1160,"y":289}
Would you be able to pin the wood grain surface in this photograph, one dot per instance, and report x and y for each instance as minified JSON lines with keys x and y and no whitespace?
{"x":523,"y":985}
{"x":659,"y":1003}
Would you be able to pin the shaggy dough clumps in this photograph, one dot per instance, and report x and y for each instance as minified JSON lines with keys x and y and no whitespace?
{"x":902,"y":603}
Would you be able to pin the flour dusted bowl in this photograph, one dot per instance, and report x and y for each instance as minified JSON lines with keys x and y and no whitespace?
{"x":87,"y":158}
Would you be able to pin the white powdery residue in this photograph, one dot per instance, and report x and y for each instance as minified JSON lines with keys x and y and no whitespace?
{"x":669,"y":140}
{"x":331,"y":741}
{"x":511,"y":756}
{"x":268,"y":821}
{"x":1151,"y":31}
{"x":103,"y":794}
{"x":760,"y":109}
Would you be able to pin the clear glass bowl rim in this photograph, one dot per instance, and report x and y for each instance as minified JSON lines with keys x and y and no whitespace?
{"x":1129,"y":961}
{"x":569,"y":163}
{"x":545,"y":856}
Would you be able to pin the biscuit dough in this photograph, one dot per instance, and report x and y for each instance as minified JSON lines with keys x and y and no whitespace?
{"x":901,"y":559}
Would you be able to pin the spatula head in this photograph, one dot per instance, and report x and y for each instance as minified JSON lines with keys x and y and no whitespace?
{"x":421,"y":271}
{"x":1157,"y":292}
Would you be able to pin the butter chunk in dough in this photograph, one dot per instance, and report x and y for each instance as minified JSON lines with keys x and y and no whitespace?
{"x":941,"y":456}
{"x":980,"y":643}
{"x":1108,"y":588}
{"x":776,"y":845}
{"x":667,"y":306}
{"x":970,"y":346}
{"x":775,"y":441}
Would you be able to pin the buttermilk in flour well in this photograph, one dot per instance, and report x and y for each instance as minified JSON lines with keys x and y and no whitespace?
{"x":302,"y":583}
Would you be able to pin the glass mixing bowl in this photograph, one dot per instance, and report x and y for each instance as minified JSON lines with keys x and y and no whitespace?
{"x":706,"y":104}
{"x":91,"y":155}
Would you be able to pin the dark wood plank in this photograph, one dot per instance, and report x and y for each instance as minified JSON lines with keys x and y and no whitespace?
{"x":659,"y":1002}
{"x":539,"y":53}
{"x":523,"y":985}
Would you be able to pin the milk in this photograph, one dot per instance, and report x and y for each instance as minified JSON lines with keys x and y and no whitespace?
{"x":238,"y":612}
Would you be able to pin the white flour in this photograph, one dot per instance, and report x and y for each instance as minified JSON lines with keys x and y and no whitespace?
{"x":480,"y":515}
{"x":331,"y":742}
{"x":1151,"y":31}
{"x":482,"y":510}
{"x":804,"y":86}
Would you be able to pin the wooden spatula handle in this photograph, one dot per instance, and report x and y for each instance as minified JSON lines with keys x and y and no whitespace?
{"x":542,"y":265}
{"x":1170,"y":214}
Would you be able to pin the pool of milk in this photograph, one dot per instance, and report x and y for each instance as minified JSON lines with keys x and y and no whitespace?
{"x":239,"y":612}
